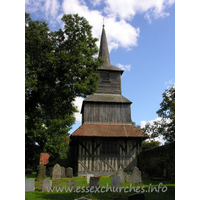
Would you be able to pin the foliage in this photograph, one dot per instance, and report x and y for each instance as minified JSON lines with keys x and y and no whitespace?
{"x":138,"y":126}
{"x":59,"y":66}
{"x":165,"y":126}
{"x":146,"y":145}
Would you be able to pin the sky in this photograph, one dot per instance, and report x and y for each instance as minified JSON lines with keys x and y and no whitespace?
{"x":141,"y":41}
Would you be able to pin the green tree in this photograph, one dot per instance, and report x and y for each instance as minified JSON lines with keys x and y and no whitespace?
{"x":165,"y":126}
{"x":134,"y":123}
{"x":146,"y":145}
{"x":59,"y":66}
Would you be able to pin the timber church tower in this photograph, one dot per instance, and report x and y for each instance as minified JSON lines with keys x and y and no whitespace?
{"x":106,"y":140}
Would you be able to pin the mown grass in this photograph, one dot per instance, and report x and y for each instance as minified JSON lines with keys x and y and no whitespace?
{"x":147,"y":188}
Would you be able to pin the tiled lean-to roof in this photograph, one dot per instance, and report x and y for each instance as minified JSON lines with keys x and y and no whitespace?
{"x":108,"y":130}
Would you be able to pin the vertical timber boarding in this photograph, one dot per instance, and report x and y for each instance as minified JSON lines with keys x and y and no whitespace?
{"x":91,"y":160}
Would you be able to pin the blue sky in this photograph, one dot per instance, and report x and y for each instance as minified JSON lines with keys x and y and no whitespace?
{"x":141,"y":40}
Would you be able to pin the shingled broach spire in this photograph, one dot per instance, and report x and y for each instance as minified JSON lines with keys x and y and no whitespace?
{"x":104,"y":53}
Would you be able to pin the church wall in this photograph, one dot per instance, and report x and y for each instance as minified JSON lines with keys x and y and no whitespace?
{"x":106,"y":113}
{"x":109,"y":82}
{"x":92,"y":160}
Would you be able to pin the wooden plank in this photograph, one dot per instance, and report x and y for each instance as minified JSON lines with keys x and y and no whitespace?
{"x":90,"y":155}
{"x":86,"y":149}
{"x":92,"y":152}
{"x":84,"y":142}
{"x":113,"y":86}
{"x":105,"y":160}
{"x":106,"y":113}
{"x":87,"y":155}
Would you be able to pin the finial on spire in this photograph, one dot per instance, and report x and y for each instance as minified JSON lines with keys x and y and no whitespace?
{"x":103,"y":23}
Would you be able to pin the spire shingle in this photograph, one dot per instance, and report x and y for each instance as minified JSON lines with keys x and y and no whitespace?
{"x":104,"y":54}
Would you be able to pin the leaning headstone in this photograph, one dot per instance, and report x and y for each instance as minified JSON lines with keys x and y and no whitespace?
{"x":94,"y":181}
{"x":136,"y":177}
{"x":72,"y":184}
{"x":56,"y":172}
{"x":47,"y":184}
{"x":129,"y":178}
{"x":41,"y":172}
{"x":62,"y":172}
{"x":121,"y":174}
{"x":29,"y":185}
{"x":69,"y":172}
{"x":115,"y":182}
{"x":137,"y":196}
{"x":88,"y":177}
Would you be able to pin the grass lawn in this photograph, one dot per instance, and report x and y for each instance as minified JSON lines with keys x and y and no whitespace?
{"x":166,"y":192}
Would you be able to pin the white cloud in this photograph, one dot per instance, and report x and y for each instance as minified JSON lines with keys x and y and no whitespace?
{"x":51,"y":8}
{"x":124,"y":67}
{"x":160,"y":138}
{"x":95,"y":2}
{"x":48,"y":8}
{"x":78,"y":103}
{"x":170,"y":82}
{"x":123,"y":35}
{"x":32,"y":5}
{"x":143,"y":123}
{"x":116,"y":14}
{"x":127,"y":9}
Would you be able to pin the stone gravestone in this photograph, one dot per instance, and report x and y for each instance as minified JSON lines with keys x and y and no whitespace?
{"x":115,"y":182}
{"x":47,"y":184}
{"x":72,"y":184}
{"x":69,"y":172}
{"x":56,"y":172}
{"x":88,"y":177}
{"x":129,"y":178}
{"x":41,"y":172}
{"x":29,"y":185}
{"x":138,"y":196}
{"x":136,"y":177}
{"x":94,"y":181}
{"x":121,"y":174}
{"x":62,"y":172}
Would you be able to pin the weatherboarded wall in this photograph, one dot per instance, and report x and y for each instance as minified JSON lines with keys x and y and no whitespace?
{"x":109,"y":82}
{"x":106,"y":113}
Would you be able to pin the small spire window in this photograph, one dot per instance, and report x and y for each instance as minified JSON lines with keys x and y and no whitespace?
{"x":105,"y":77}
